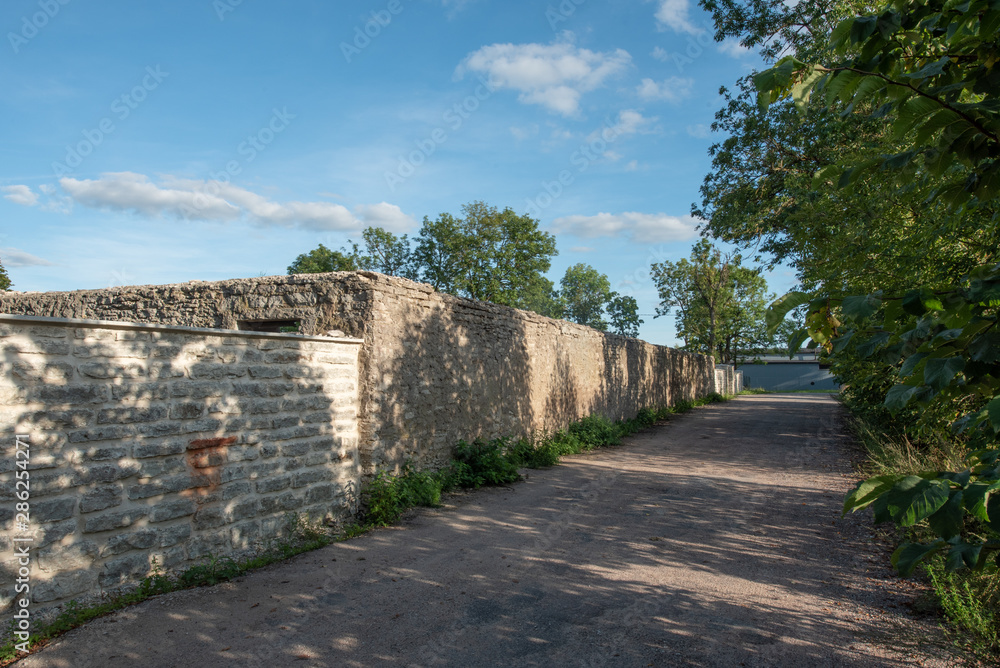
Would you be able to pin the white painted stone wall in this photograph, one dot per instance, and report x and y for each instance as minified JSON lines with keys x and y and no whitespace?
{"x":165,"y":442}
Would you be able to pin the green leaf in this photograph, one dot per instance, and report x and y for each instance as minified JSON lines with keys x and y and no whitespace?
{"x":908,"y":555}
{"x":913,"y":499}
{"x":862,"y":28}
{"x":860,"y":307}
{"x":802,"y":90}
{"x":912,"y":113}
{"x":866,"y":491}
{"x":975,"y":498}
{"x":949,"y":519}
{"x":796,"y":340}
{"x":930,"y":70}
{"x":993,"y":412}
{"x":898,"y":397}
{"x":939,"y":372}
{"x":868,"y":348}
{"x":777,"y":311}
{"x":910,"y":364}
{"x":962,"y":554}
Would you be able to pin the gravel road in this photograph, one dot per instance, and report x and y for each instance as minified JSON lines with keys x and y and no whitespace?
{"x":713,"y":540}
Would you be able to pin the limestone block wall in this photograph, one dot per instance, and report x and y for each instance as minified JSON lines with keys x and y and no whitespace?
{"x":434,"y":368}
{"x":165,"y":442}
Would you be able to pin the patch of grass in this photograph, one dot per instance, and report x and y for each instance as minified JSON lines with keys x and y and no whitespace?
{"x":971,"y":602}
{"x":895,"y":453}
{"x":754,"y":390}
{"x":302,"y":536}
{"x":484,"y":463}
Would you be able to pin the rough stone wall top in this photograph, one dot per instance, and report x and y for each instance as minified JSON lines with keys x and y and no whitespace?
{"x":435,"y":368}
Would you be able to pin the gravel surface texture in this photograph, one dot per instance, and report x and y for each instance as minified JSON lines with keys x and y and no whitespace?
{"x":712,"y":540}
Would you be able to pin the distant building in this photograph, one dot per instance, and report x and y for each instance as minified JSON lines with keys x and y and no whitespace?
{"x":776,"y":372}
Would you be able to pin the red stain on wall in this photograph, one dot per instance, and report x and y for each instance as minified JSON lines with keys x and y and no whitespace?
{"x":205,"y":459}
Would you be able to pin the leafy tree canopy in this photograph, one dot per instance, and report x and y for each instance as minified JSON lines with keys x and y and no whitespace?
{"x":911,"y":316}
{"x":321,"y":260}
{"x":4,"y":279}
{"x":717,"y":303}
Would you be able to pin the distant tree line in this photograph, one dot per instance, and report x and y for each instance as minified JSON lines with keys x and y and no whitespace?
{"x":490,"y":255}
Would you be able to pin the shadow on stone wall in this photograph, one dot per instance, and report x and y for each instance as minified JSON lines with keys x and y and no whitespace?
{"x":151,"y":446}
{"x":449,"y":375}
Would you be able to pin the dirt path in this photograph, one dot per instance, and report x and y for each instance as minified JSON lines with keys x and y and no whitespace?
{"x":715,"y":540}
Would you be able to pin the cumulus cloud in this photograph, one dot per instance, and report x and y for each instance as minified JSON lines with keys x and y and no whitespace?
{"x":192,"y":199}
{"x":673,"y":15}
{"x":15,"y":257}
{"x":659,"y":53}
{"x":554,"y":76}
{"x":22,"y":195}
{"x":639,"y":227}
{"x":673,"y":89}
{"x":732,"y":47}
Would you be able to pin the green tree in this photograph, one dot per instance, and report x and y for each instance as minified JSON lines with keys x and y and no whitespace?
{"x":717,"y":303}
{"x":501,"y":254}
{"x":929,"y":69}
{"x":385,"y":253}
{"x":321,"y":260}
{"x":4,"y":279}
{"x":438,"y":251}
{"x":585,"y":293}
{"x":542,"y":298}
{"x":488,"y":254}
{"x":623,"y":311}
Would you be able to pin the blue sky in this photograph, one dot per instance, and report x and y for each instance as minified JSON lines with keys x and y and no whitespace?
{"x":213,"y":139}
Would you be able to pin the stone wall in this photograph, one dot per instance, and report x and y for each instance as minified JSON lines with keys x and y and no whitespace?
{"x":728,"y":380}
{"x":168,"y":443}
{"x":434,"y":368}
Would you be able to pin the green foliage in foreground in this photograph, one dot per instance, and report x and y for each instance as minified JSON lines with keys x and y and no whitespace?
{"x":971,"y":602}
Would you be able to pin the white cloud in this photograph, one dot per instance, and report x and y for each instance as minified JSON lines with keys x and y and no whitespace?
{"x":659,"y":53}
{"x":632,"y":122}
{"x":673,"y":89}
{"x":387,"y":216}
{"x":554,"y":76}
{"x":632,"y":166}
{"x":521,"y":134}
{"x":673,"y":14}
{"x":639,"y":227}
{"x":732,"y":47}
{"x":216,"y":201}
{"x":15,"y":257}
{"x":22,"y":195}
{"x":582,"y":249}
{"x":701,"y":131}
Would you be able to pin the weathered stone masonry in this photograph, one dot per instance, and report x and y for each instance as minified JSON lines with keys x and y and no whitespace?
{"x":434,"y":368}
{"x":156,"y":440}
{"x":153,"y":441}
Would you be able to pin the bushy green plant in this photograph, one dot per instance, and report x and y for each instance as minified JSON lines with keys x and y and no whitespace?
{"x":484,"y":463}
